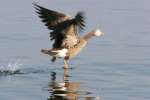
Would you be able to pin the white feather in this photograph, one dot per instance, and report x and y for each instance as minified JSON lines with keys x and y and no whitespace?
{"x":98,"y":32}
{"x":60,"y":53}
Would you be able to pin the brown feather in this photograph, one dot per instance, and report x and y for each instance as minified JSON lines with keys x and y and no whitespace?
{"x":64,"y":30}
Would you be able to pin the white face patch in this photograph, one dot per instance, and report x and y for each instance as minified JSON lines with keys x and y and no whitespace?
{"x":98,"y":32}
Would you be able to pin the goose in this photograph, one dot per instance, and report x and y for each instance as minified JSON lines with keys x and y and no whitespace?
{"x":64,"y":32}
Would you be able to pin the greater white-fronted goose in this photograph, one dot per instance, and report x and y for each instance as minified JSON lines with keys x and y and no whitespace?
{"x":64,"y":32}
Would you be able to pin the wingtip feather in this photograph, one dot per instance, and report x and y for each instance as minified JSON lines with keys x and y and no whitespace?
{"x":80,"y":20}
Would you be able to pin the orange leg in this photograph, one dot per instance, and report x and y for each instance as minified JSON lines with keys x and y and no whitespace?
{"x":66,"y":65}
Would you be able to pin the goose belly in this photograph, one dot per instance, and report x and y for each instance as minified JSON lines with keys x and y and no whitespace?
{"x":75,"y":50}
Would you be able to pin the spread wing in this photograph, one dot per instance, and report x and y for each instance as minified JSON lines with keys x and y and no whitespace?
{"x":49,"y":17}
{"x":64,"y":30}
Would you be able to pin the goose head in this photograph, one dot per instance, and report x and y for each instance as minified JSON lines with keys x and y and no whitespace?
{"x":98,"y":32}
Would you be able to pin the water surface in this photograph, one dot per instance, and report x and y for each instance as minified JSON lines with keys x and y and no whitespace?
{"x":113,"y":67}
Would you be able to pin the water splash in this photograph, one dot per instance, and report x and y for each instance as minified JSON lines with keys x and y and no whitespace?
{"x":10,"y":68}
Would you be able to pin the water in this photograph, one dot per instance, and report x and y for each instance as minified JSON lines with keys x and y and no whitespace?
{"x":113,"y":67}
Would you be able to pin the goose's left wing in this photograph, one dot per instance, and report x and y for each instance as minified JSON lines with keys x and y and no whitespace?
{"x":49,"y":17}
{"x":64,"y":28}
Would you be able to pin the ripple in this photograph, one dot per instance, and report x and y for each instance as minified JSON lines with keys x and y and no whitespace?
{"x":10,"y":69}
{"x":17,"y":68}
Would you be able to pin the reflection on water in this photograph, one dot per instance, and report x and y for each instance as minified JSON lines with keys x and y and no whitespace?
{"x":67,"y":90}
